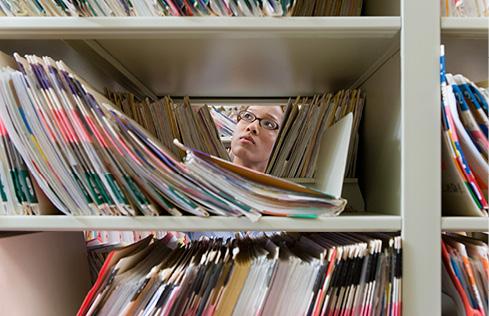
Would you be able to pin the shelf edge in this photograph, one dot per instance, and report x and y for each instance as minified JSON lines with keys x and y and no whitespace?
{"x":465,"y":27}
{"x":159,"y":27}
{"x":190,"y":223}
{"x":470,"y":224}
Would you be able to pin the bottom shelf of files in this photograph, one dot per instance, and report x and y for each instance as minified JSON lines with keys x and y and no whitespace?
{"x":465,"y":274}
{"x":170,"y":273}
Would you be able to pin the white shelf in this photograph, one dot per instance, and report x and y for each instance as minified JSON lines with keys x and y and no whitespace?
{"x":469,"y":224}
{"x":347,"y":223}
{"x":465,"y":27}
{"x":222,"y":56}
{"x":156,"y":27}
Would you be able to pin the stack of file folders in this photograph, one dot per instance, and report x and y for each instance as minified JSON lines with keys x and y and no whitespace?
{"x":465,"y":144}
{"x":88,"y":8}
{"x":167,"y":120}
{"x":280,"y":274}
{"x":296,"y":150}
{"x":465,"y":273}
{"x":465,"y":8}
{"x":17,"y":194}
{"x":90,"y":159}
{"x":101,"y":243}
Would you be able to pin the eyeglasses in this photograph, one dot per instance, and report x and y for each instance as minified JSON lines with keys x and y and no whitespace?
{"x":264,"y":122}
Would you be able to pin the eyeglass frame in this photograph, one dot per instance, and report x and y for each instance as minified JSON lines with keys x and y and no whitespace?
{"x":240,"y":117}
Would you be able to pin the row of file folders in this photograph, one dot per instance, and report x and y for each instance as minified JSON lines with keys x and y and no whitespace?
{"x":65,"y":147}
{"x":465,"y":8}
{"x":465,"y":274}
{"x":296,"y":150}
{"x":263,"y":274}
{"x":257,"y":8}
{"x":465,"y":144}
{"x":465,"y":267}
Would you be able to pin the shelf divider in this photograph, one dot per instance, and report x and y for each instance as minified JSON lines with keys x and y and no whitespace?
{"x":420,"y":157}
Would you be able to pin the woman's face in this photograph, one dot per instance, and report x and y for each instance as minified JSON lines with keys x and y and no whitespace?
{"x":252,"y":143}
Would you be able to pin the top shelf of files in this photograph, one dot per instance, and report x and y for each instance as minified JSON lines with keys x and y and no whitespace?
{"x":476,"y":27}
{"x":161,"y":27}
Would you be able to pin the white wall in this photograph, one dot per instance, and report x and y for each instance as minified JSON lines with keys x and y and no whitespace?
{"x":467,"y":57}
{"x":43,"y":274}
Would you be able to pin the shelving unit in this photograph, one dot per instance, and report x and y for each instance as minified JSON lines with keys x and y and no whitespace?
{"x":391,"y":54}
{"x":232,"y":45}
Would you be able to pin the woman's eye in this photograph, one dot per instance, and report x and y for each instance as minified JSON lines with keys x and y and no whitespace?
{"x":269,"y":124}
{"x":248,"y":116}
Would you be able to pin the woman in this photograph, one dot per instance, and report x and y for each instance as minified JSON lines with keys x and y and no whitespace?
{"x":251,"y":145}
{"x":255,"y":135}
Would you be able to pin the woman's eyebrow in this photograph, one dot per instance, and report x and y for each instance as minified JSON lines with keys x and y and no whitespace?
{"x":265,"y":115}
{"x":273,"y":117}
{"x":269,"y":116}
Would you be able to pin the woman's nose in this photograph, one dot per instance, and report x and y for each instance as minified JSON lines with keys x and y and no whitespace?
{"x":253,"y":127}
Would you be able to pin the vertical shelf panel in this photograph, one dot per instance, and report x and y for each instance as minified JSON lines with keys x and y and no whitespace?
{"x":380,"y":152}
{"x":420,"y":162}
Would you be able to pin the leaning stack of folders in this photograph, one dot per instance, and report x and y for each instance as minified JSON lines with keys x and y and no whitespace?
{"x":168,"y":120}
{"x":465,"y":272}
{"x":296,"y":150}
{"x":268,"y":274}
{"x":257,"y":8}
{"x":465,"y":8}
{"x":100,"y":244}
{"x":465,"y":165}
{"x":88,"y":158}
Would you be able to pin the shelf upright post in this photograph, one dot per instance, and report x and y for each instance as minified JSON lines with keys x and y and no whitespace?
{"x":420,"y":157}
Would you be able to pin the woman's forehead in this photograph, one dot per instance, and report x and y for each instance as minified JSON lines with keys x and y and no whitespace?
{"x":271,"y":111}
